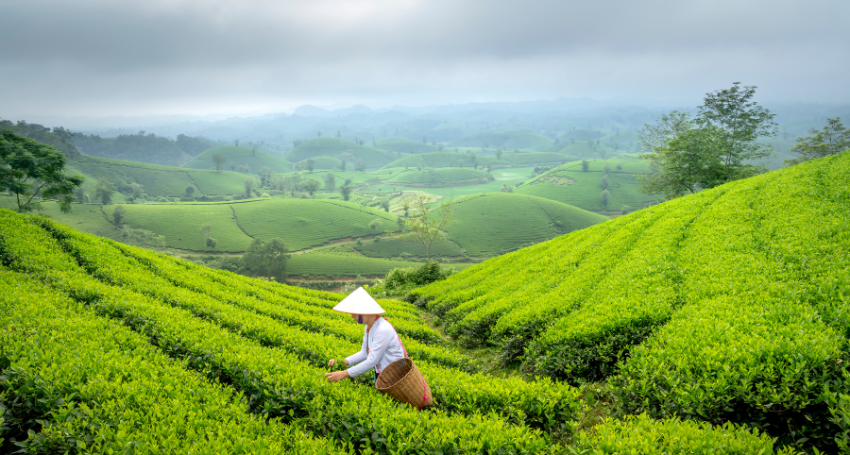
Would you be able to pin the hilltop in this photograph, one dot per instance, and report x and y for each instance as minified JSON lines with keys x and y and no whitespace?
{"x":239,"y":157}
{"x":341,"y":150}
{"x":729,"y":305}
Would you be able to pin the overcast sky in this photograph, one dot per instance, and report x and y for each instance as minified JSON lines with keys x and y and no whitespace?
{"x":109,"y":57}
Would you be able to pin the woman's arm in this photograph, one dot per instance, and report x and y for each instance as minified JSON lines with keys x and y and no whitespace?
{"x":380,"y":342}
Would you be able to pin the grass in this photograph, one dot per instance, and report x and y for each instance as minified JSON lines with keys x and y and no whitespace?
{"x":239,"y":156}
{"x":439,"y":177}
{"x":392,"y":248}
{"x":490,"y":224}
{"x":570,"y":185}
{"x":303,"y":223}
{"x":341,"y":150}
{"x":403,"y":145}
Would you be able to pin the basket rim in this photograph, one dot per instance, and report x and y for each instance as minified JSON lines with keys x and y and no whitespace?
{"x":399,"y":379}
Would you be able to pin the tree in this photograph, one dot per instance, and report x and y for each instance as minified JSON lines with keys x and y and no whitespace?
{"x":189,"y":190}
{"x":425,"y":224}
{"x":506,"y":188}
{"x":342,"y":165}
{"x":29,"y":169}
{"x":218,"y":160}
{"x":312,"y":185}
{"x":625,"y":210}
{"x":104,"y":191}
{"x":206,"y":229}
{"x":118,"y":214}
{"x":266,"y":177}
{"x":605,"y":182}
{"x":386,"y":206}
{"x":374,"y":225}
{"x":499,"y":153}
{"x":834,"y":138}
{"x":346,"y":192}
{"x":330,"y":182}
{"x":474,"y":159}
{"x":249,"y":187}
{"x":211,"y":242}
{"x":267,"y":259}
{"x":80,"y":195}
{"x":585,"y":165}
{"x":310,"y":165}
{"x":606,"y":169}
{"x":689,"y":154}
{"x":605,"y":197}
{"x":360,"y":166}
{"x":137,"y":190}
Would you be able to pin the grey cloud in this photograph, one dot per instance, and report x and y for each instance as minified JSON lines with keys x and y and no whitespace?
{"x":156,"y":55}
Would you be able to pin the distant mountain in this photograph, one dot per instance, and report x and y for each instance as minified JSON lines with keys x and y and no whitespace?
{"x":311,"y":111}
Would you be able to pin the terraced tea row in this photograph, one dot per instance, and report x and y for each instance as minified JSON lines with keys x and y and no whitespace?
{"x":731,"y":305}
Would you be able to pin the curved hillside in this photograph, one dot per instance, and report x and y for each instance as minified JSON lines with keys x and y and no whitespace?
{"x":509,"y":141}
{"x":403,"y":145}
{"x":341,"y":150}
{"x":585,"y":149}
{"x":239,"y":156}
{"x":571,"y":185}
{"x":493,"y":223}
{"x":439,"y":177}
{"x":732,"y":304}
{"x":156,"y":180}
{"x":440,"y":159}
{"x":322,"y":162}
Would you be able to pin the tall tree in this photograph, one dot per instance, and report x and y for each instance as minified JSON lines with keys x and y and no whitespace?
{"x":689,"y":154}
{"x":310,"y":165}
{"x":218,"y":160}
{"x":29,"y":169}
{"x":330,"y":182}
{"x":425,"y":224}
{"x":833,"y":139}
{"x":104,"y":191}
{"x":312,"y":185}
{"x":119,"y":214}
{"x":345,"y":191}
{"x":267,"y":259}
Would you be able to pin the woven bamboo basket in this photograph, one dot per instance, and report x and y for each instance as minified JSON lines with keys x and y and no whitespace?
{"x":403,"y":381}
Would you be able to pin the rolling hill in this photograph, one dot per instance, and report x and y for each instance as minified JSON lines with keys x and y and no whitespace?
{"x":508,"y":159}
{"x":489,"y":224}
{"x":440,"y":177}
{"x":403,"y":145}
{"x":570,"y":185}
{"x":508,"y":141}
{"x":730,"y":305}
{"x":237,"y":157}
{"x":156,"y":180}
{"x":342,"y":150}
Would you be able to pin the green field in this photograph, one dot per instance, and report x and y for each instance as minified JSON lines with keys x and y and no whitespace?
{"x":451,"y":159}
{"x":494,"y":223}
{"x":237,"y":157}
{"x":156,"y":180}
{"x":322,"y":162}
{"x":570,"y":185}
{"x":735,"y":298}
{"x":391,"y":248}
{"x":439,"y":177}
{"x":303,"y":223}
{"x":508,"y":141}
{"x":335,"y":265}
{"x":342,"y":150}
{"x":403,"y":145}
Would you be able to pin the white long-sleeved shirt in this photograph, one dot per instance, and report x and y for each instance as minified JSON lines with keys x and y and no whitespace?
{"x":380,"y":348}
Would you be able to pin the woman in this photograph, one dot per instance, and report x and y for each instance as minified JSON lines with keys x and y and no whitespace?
{"x":381,"y":345}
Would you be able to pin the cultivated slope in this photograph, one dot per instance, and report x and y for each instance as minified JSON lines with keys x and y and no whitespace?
{"x":342,"y":150}
{"x":239,"y":156}
{"x":732,"y":304}
{"x":105,"y":347}
{"x":489,"y":224}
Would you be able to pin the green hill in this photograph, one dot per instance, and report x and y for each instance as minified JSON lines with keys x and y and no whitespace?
{"x":441,"y":177}
{"x":341,"y":150}
{"x":570,"y":185}
{"x":586,"y":149}
{"x":323,"y":162}
{"x":508,"y":159}
{"x":237,"y":157}
{"x":403,"y":145}
{"x":727,"y":305}
{"x":508,"y":141}
{"x":156,"y":180}
{"x":493,"y":223}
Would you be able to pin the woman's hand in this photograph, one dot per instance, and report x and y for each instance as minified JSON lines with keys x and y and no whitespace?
{"x":336,"y":376}
{"x":332,"y":362}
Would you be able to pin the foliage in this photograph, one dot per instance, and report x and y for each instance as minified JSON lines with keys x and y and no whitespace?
{"x":266,"y":259}
{"x":713,"y":148}
{"x":834,"y":138}
{"x":425,"y":224}
{"x":147,"y":148}
{"x":29,"y":169}
{"x":119,"y":214}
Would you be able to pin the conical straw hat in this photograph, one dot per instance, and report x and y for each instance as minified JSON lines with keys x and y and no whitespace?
{"x":359,"y":302}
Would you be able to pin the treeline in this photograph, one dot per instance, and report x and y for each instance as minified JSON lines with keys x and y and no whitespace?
{"x":59,"y":138}
{"x":147,"y":148}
